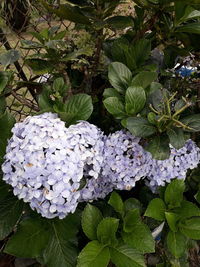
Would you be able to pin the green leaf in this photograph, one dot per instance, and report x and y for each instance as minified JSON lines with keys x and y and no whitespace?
{"x":135,"y":100}
{"x":144,"y":79}
{"x":187,"y":210}
{"x":6,"y":123}
{"x":94,"y":254}
{"x":159,"y":147}
{"x":28,"y":44}
{"x":197,"y":196}
{"x":61,"y":250}
{"x":30,"y":239}
{"x":140,"y":238}
{"x":91,"y":217}
{"x":131,"y":219}
{"x":191,"y":228}
{"x":115,"y":107}
{"x":192,"y":121}
{"x":78,"y":107}
{"x":4,"y":78}
{"x":176,"y":243}
{"x":9,"y":57}
{"x":190,"y":13}
{"x":111,"y":92}
{"x":176,"y":137}
{"x":106,"y":231}
{"x":190,"y":28}
{"x":156,"y":209}
{"x":116,"y":202}
{"x":44,"y":100}
{"x":132,"y":203}
{"x":125,"y":256}
{"x":2,"y":104}
{"x":140,"y":127}
{"x":10,"y":212}
{"x":39,"y":66}
{"x":174,"y":193}
{"x":119,"y":76}
{"x":119,"y":22}
{"x":172,"y":220}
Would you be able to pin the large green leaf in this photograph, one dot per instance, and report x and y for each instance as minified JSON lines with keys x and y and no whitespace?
{"x":4,"y":78}
{"x":156,"y":209}
{"x":116,"y":202}
{"x":94,"y":254}
{"x":119,"y":22}
{"x":119,"y":76}
{"x":172,"y":220}
{"x":135,"y":100}
{"x":176,"y":137}
{"x":78,"y":107}
{"x":10,"y":212}
{"x":174,"y":193}
{"x":115,"y":107}
{"x":61,"y":250}
{"x":192,"y":121}
{"x":6,"y":123}
{"x":125,"y":256}
{"x":159,"y":147}
{"x":106,"y":231}
{"x":91,"y":217}
{"x":39,"y":66}
{"x":111,"y":92}
{"x":140,"y":127}
{"x":140,"y":237}
{"x":190,"y":13}
{"x":190,"y":28}
{"x":191,"y":228}
{"x":30,"y":239}
{"x":187,"y":210}
{"x":9,"y":57}
{"x":144,"y":79}
{"x":176,"y":243}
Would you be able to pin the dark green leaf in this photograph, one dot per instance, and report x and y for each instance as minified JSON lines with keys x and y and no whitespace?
{"x":44,"y":100}
{"x":187,"y":210}
{"x":140,"y":127}
{"x":197,"y":196}
{"x":116,"y":202}
{"x":131,"y":219}
{"x":132,"y":203}
{"x":2,"y":104}
{"x":119,"y":76}
{"x":6,"y":123}
{"x":4,"y":78}
{"x":135,"y":100}
{"x":192,"y":121}
{"x":156,"y":209}
{"x":125,"y":256}
{"x":172,"y":220}
{"x":29,"y":240}
{"x":9,"y":57}
{"x":106,"y":231}
{"x":159,"y":147}
{"x":118,"y":22}
{"x":91,"y":217}
{"x":94,"y":254}
{"x":78,"y":107}
{"x":111,"y":92}
{"x":176,"y":243}
{"x":10,"y":212}
{"x":140,"y":238}
{"x":39,"y":66}
{"x":61,"y":250}
{"x":190,"y":13}
{"x":176,"y":137}
{"x":191,"y":228}
{"x":115,"y":107}
{"x":174,"y":193}
{"x":144,"y":79}
{"x":190,"y":28}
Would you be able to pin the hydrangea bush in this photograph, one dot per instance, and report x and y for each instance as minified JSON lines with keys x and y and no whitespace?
{"x":105,"y":172}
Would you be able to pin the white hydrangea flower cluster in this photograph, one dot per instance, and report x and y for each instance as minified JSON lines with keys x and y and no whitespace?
{"x":176,"y":166}
{"x":53,"y":168}
{"x":45,"y":162}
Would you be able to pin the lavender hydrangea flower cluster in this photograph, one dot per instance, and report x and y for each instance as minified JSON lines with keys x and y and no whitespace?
{"x":176,"y":166}
{"x":53,"y":168}
{"x":126,"y":161}
{"x":45,"y":162}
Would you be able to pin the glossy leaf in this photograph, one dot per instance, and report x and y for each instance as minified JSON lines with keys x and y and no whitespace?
{"x":176,"y":137}
{"x":174,"y":193}
{"x":140,"y":127}
{"x":115,"y":107}
{"x":176,"y":243}
{"x":106,"y":231}
{"x":116,"y":202}
{"x":144,"y":79}
{"x":159,"y":147}
{"x":91,"y":217}
{"x":191,"y":228}
{"x":156,"y":209}
{"x":135,"y":100}
{"x":192,"y":121}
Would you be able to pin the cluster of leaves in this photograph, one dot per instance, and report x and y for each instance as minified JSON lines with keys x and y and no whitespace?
{"x":148,"y":110}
